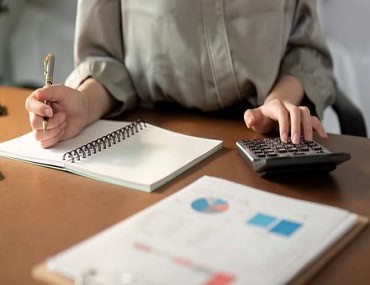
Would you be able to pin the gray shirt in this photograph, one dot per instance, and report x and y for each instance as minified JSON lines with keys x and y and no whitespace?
{"x":206,"y":54}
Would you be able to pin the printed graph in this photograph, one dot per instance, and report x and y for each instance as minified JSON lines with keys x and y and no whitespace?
{"x":209,"y":205}
{"x":274,"y":224}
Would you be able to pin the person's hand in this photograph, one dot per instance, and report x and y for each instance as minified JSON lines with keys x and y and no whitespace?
{"x":285,"y":116}
{"x":67,"y":113}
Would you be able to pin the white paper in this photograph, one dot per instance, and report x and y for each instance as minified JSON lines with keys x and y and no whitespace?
{"x":145,"y":160}
{"x":211,"y":230}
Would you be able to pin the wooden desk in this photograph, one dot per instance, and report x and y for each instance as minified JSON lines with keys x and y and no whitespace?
{"x":44,"y":211}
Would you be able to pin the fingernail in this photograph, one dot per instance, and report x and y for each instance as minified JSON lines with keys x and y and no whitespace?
{"x":284,"y":137}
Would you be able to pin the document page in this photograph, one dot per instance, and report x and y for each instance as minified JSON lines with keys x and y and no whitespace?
{"x":213,"y":230}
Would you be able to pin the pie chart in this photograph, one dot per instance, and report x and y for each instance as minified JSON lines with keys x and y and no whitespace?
{"x":209,"y":205}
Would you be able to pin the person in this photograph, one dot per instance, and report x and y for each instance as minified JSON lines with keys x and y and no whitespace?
{"x":269,"y":56}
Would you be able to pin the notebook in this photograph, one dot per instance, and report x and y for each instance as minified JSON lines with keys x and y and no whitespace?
{"x":137,"y":155}
{"x":213,"y":231}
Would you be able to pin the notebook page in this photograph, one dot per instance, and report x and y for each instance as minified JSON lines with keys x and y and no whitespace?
{"x":28,"y":149}
{"x":147,"y":159}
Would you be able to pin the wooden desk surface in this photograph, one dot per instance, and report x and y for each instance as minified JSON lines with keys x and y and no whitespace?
{"x":44,"y":211}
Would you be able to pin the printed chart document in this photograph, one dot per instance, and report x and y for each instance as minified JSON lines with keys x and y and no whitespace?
{"x":132,"y":154}
{"x":212,"y":232}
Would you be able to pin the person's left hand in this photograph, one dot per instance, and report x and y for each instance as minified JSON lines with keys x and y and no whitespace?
{"x":287,"y":117}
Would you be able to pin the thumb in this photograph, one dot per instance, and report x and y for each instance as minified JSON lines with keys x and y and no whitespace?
{"x":256,"y":120}
{"x":252,"y":117}
{"x":50,"y":93}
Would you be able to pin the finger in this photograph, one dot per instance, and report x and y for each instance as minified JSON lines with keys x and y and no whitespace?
{"x":250,"y":117}
{"x":50,"y":133}
{"x":318,"y":127}
{"x":34,"y":105}
{"x":53,"y":122}
{"x":52,"y":93}
{"x":52,"y":141}
{"x":257,"y":121}
{"x":278,"y":111}
{"x":34,"y":120}
{"x":57,"y":120}
{"x":295,"y":123}
{"x":306,"y":123}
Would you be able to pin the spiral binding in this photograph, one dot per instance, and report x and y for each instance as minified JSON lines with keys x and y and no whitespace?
{"x":103,"y":142}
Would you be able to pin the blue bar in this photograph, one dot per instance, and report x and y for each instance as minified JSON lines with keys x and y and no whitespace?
{"x":261,"y":220}
{"x":286,"y":228}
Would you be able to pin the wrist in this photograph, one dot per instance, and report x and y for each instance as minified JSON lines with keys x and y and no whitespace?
{"x":287,"y":88}
{"x":97,"y":101}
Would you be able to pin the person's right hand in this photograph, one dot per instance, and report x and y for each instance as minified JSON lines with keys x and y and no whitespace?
{"x":67,"y":113}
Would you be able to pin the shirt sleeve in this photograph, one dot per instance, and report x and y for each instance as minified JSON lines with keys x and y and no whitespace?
{"x":98,"y":50}
{"x":307,"y":57}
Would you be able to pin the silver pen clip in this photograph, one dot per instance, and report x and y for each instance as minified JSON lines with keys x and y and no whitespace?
{"x":49,"y":68}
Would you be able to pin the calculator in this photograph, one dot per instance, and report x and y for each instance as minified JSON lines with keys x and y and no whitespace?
{"x":270,"y":156}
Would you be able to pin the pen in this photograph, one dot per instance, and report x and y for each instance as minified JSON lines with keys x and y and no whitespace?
{"x":48,"y":73}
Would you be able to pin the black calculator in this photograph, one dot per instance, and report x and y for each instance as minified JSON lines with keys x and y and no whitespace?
{"x":270,"y":156}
